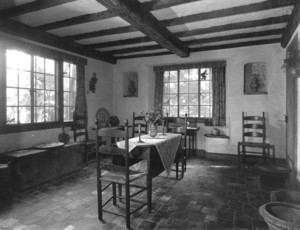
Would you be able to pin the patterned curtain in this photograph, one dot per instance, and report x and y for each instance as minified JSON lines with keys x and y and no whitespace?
{"x":80,"y":104}
{"x":219,"y":96}
{"x":159,"y":90}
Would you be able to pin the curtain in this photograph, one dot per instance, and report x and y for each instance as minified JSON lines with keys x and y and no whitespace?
{"x":80,"y":104}
{"x":219,"y":96}
{"x":159,"y":90}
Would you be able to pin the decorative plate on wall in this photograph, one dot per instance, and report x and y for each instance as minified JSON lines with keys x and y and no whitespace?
{"x":103,"y":117}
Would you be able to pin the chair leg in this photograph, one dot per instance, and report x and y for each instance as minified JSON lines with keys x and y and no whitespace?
{"x":177,"y":168}
{"x":127,"y":198}
{"x":120,"y":191}
{"x":149,"y":192}
{"x":239,"y":155}
{"x":99,"y":195}
{"x":182,"y":168}
{"x":114,"y":191}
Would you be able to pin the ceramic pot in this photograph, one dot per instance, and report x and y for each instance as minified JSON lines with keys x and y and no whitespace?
{"x":281,"y":215}
{"x":152,"y":130}
{"x":63,"y":136}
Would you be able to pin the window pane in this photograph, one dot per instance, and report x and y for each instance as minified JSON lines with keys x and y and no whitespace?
{"x":39,"y":64}
{"x":166,"y":76}
{"x":18,"y":60}
{"x":39,"y":114}
{"x":11,"y":96}
{"x":39,"y":81}
{"x":40,"y":98}
{"x":50,"y":66}
{"x":66,"y":84}
{"x":24,"y":79}
{"x":193,"y":99}
{"x":166,"y":100}
{"x":173,"y":76}
{"x":184,"y":75}
{"x":49,"y":114}
{"x":183,"y":110}
{"x":173,"y":111}
{"x":205,"y":99}
{"x":67,"y":114}
{"x":183,"y":99}
{"x":66,"y":98}
{"x":50,"y":82}
{"x":11,"y":115}
{"x":66,"y":69}
{"x":193,"y":111}
{"x":194,"y":75}
{"x":73,"y":84}
{"x":193,"y":87}
{"x":73,"y":71}
{"x":173,"y":100}
{"x":183,"y":87}
{"x":166,"y":88}
{"x":205,"y":86}
{"x":72,"y":98}
{"x":24,"y":113}
{"x":12,"y":78}
{"x":49,"y":98}
{"x":173,"y":88}
{"x":24,"y":97}
{"x":205,"y":111}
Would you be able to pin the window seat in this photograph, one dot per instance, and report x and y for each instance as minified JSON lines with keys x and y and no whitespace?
{"x":31,"y":167}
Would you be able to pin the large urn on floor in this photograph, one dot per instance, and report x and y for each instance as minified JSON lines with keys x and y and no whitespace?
{"x":281,"y":215}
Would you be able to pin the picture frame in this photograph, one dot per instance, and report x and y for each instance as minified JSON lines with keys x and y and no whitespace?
{"x":130,"y":84}
{"x":255,"y":79}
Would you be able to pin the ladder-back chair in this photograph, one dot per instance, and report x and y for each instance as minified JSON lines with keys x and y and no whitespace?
{"x":253,"y":138}
{"x":136,"y":121}
{"x":112,"y":173}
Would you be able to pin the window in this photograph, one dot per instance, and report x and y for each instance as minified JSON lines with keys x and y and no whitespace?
{"x":70,"y":76}
{"x":34,"y":95}
{"x":188,"y":91}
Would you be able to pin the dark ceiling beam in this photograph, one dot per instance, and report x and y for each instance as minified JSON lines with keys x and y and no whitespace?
{"x":200,"y":41}
{"x":27,"y":32}
{"x":208,"y":48}
{"x":147,"y":6}
{"x":31,"y":7}
{"x":145,"y":22}
{"x":293,"y":22}
{"x":214,"y":29}
{"x":270,"y":4}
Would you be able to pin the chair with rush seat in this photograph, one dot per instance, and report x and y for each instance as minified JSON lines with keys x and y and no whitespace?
{"x":113,"y":173}
{"x":253,"y":138}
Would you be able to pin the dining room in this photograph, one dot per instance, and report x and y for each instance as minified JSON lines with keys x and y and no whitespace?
{"x":177,"y":80}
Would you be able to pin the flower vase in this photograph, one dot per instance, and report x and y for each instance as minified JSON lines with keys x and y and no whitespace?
{"x":152,"y":130}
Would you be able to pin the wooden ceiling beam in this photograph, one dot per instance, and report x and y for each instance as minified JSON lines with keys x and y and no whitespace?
{"x":145,"y":22}
{"x":200,"y":41}
{"x":293,"y":22}
{"x":208,"y":48}
{"x":31,"y":7}
{"x":147,"y":6}
{"x":214,"y":29}
{"x":27,"y":32}
{"x":270,"y":4}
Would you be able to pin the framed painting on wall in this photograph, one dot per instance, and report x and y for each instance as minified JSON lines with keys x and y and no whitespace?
{"x":130,"y":84}
{"x":255,"y":79}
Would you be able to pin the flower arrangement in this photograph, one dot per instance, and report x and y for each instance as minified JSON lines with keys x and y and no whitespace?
{"x":153,"y":116}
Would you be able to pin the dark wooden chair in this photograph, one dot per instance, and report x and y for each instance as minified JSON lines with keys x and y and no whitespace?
{"x":179,"y":125}
{"x":80,"y":133}
{"x":253,"y":138}
{"x":136,"y":121}
{"x":5,"y":182}
{"x":112,"y":173}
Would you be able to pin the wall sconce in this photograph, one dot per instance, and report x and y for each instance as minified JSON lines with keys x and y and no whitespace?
{"x":92,"y":83}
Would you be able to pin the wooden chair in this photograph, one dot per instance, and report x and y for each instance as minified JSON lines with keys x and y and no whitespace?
{"x":80,"y":133}
{"x":111,"y":174}
{"x":254,"y":137}
{"x":136,"y":120}
{"x":179,"y":125}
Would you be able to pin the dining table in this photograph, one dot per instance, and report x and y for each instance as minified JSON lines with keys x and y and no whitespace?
{"x":158,"y":153}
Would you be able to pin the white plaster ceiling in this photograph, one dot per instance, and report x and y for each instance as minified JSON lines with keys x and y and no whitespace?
{"x":187,"y":9}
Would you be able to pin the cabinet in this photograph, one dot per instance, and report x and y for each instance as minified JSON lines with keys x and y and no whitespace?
{"x":31,"y":167}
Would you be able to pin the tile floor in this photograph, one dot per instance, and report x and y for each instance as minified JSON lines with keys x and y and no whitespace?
{"x":212,"y":195}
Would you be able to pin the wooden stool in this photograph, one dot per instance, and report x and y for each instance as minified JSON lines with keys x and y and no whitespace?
{"x":5,"y":182}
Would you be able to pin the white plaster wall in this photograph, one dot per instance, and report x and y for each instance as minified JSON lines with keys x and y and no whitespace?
{"x":273,"y":103}
{"x":101,"y":98}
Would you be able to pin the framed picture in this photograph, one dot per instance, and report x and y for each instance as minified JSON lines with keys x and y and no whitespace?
{"x":130,"y":84}
{"x":255,"y":80}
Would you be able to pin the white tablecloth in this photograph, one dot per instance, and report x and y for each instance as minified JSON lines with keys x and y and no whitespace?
{"x":166,"y":145}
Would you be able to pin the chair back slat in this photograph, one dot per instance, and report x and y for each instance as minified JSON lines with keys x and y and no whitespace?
{"x":80,"y":126}
{"x":112,"y":150}
{"x":254,"y":127}
{"x":136,"y":121}
{"x":253,"y":134}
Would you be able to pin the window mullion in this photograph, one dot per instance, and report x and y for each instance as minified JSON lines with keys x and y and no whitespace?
{"x":60,"y":91}
{"x":178,"y":94}
{"x":199,"y":92}
{"x":32,"y":91}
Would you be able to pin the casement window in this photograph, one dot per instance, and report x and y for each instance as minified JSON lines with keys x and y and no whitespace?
{"x":38,"y":89}
{"x":188,"y":91}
